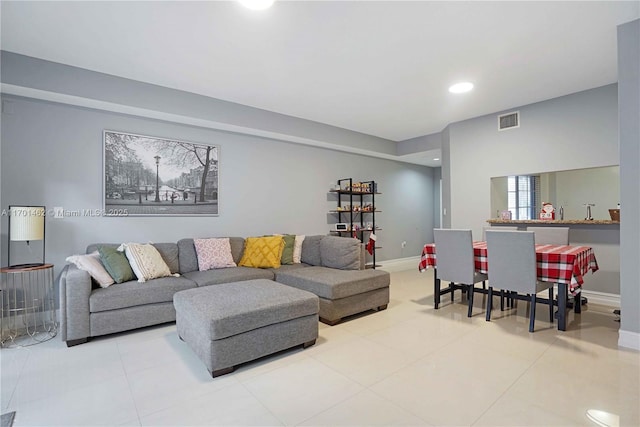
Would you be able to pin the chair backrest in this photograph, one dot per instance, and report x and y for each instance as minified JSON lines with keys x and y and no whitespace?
{"x":550,"y":235}
{"x":454,"y":255}
{"x":497,"y":228}
{"x":511,"y":260}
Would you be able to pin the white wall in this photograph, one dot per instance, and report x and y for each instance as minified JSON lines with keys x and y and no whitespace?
{"x":600,"y":186}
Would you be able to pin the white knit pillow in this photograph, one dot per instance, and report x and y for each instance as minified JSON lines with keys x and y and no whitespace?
{"x":146,"y":262}
{"x":297,"y":249}
{"x":92,"y":265}
{"x":213,"y":253}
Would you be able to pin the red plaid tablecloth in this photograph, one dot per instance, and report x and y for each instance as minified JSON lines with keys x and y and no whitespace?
{"x":556,"y":263}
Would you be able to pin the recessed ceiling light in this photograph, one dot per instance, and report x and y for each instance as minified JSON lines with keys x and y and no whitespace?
{"x":436,"y":159}
{"x":256,"y":4}
{"x":461,"y":87}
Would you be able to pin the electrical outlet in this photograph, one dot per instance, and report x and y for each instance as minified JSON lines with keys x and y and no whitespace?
{"x":404,"y":244}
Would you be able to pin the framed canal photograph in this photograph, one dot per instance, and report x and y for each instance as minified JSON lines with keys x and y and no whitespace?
{"x":150,"y":176}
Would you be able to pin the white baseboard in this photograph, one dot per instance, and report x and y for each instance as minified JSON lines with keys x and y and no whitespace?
{"x":629,"y":339}
{"x":400,"y":264}
{"x":602,"y":298}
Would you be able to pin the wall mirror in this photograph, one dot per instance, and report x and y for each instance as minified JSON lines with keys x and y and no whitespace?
{"x":571,"y":189}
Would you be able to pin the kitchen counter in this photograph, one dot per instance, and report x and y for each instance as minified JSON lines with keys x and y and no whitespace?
{"x":552,"y":221}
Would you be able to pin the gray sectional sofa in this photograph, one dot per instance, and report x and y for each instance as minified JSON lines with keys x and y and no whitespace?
{"x":332,"y":268}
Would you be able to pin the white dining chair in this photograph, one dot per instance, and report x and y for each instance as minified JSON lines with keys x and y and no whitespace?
{"x":550,"y":235}
{"x":484,"y":239}
{"x":455,"y":261}
{"x":511,"y":260}
{"x":497,"y":228}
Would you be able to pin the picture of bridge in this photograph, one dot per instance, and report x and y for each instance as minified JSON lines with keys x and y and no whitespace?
{"x":148,"y":176}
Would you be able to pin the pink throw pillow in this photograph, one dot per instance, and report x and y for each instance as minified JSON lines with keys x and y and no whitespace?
{"x":213,"y":253}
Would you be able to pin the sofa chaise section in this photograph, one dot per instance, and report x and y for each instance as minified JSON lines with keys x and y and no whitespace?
{"x":342,"y":293}
{"x":336,"y":274}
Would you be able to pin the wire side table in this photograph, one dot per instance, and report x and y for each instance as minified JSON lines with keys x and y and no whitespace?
{"x":27,"y":306}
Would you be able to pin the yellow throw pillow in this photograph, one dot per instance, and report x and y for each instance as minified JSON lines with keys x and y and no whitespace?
{"x":262,"y":252}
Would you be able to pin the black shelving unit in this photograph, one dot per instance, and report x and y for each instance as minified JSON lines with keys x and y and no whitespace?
{"x":357,"y":217}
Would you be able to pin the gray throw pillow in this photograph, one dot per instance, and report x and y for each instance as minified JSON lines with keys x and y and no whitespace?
{"x":287,"y":252}
{"x":340,"y":252}
{"x":116,"y":264}
{"x":311,"y":250}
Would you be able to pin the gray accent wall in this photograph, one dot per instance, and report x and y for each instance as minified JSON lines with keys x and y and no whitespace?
{"x":629,"y":122}
{"x":52,"y":155}
{"x":27,"y":72}
{"x":571,"y":132}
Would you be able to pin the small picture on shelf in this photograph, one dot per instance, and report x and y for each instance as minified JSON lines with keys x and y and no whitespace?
{"x":505,"y":215}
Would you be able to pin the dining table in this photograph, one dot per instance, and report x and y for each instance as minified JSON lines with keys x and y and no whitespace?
{"x":565,"y":265}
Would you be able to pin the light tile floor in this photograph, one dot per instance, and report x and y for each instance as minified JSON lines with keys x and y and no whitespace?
{"x":407,"y":365}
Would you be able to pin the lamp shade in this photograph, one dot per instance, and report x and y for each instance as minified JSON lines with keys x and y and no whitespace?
{"x":26,"y":223}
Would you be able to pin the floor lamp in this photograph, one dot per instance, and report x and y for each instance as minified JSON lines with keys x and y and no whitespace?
{"x":26,"y":224}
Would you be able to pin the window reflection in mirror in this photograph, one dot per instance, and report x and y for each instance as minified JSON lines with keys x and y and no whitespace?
{"x":523,"y":195}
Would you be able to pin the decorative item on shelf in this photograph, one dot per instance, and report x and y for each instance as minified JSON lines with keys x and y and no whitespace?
{"x":588,"y":205}
{"x":371,"y":244}
{"x":342,"y":226}
{"x":506,"y":215}
{"x":26,"y":224}
{"x":367,"y":208}
{"x":547,"y":212}
{"x":614,"y":214}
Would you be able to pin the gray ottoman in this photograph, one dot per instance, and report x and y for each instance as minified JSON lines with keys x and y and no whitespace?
{"x":233,"y":323}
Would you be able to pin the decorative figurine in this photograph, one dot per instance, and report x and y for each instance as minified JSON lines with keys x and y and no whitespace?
{"x":548,"y":211}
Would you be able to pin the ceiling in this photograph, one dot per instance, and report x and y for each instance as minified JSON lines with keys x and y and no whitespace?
{"x":376,"y":67}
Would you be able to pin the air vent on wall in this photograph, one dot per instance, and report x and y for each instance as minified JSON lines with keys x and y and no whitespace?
{"x":509,"y":120}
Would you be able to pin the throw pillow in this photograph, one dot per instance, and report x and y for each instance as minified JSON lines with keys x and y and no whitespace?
{"x":311,"y":250}
{"x":287,"y":252}
{"x":262,"y":252}
{"x":92,"y":265}
{"x":213,"y":253}
{"x":340,"y":252}
{"x":146,"y":262}
{"x":116,"y":264}
{"x":297,"y":249}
